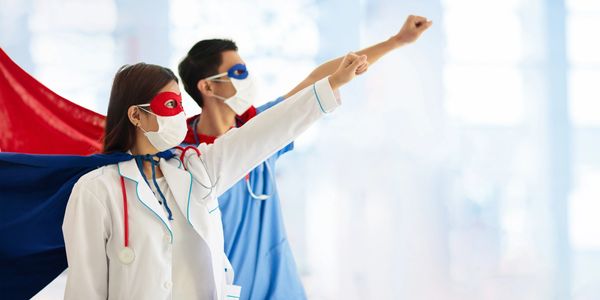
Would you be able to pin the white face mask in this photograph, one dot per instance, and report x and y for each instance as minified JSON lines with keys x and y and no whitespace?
{"x":245,"y":88}
{"x":242,"y":100}
{"x":171,"y":131}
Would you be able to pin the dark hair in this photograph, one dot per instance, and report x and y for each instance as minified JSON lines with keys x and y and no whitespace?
{"x":133,"y":85}
{"x":202,"y":61}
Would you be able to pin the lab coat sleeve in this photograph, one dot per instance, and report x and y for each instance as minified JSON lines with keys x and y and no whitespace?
{"x":85,"y":230}
{"x":241,"y":149}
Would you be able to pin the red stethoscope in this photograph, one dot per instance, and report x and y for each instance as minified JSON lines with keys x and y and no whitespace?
{"x":127,"y":255}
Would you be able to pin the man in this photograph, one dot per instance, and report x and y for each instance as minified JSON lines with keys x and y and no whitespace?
{"x":215,"y":76}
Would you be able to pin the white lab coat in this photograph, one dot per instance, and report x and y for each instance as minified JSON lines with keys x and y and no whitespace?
{"x":93,"y":226}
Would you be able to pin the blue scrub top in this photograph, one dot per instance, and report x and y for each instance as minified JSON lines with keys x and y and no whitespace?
{"x":255,"y":238}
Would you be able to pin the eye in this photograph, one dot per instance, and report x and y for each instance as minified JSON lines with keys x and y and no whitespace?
{"x":171,"y":103}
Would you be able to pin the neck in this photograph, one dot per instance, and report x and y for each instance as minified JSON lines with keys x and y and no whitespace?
{"x":143,"y":147}
{"x":215,"y":120}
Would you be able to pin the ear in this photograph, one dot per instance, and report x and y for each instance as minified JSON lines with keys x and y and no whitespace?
{"x":205,"y":87}
{"x":133,"y":113}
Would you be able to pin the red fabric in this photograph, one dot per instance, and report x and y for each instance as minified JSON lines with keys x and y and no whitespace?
{"x":125,"y":213}
{"x":33,"y":119}
{"x":189,"y":136}
{"x":158,"y":104}
{"x":206,"y":139}
{"x":246,"y":116}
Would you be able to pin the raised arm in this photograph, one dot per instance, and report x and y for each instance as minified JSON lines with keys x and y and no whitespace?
{"x":410,"y":32}
{"x":241,"y":149}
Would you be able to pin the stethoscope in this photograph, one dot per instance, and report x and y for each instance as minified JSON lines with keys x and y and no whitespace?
{"x":249,"y":187}
{"x":247,"y":177}
{"x":127,"y":255}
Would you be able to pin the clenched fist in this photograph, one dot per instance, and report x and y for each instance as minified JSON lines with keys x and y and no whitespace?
{"x":411,"y":30}
{"x":351,"y":65}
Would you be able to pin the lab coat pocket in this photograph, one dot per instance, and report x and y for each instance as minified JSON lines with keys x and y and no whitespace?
{"x":232,"y":291}
{"x":229,"y":274}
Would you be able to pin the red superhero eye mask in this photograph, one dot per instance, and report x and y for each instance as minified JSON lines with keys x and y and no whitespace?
{"x":166,"y":104}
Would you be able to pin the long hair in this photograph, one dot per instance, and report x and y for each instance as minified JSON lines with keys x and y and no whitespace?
{"x":133,"y":85}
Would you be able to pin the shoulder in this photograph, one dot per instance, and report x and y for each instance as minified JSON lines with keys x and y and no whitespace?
{"x":98,"y":181}
{"x":269,"y":104}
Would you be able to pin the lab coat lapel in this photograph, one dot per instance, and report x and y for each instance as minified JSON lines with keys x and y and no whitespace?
{"x":130,"y":171}
{"x":180,"y":183}
{"x":195,"y":212}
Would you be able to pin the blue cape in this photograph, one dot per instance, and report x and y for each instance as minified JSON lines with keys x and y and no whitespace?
{"x":34,"y":190}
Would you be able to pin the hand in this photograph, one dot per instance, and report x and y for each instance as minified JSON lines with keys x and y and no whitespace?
{"x":411,"y":30}
{"x":351,"y":66}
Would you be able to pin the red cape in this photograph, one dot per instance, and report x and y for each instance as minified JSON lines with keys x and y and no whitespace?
{"x":34,"y":119}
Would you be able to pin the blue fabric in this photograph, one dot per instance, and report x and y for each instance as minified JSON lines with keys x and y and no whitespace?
{"x":34,"y":190}
{"x":255,"y":238}
{"x":233,"y":72}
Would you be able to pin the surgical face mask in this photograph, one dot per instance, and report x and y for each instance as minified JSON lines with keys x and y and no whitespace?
{"x":245,"y":89}
{"x":172,"y":126}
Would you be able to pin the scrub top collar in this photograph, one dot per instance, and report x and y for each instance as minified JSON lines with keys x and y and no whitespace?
{"x":193,"y":137}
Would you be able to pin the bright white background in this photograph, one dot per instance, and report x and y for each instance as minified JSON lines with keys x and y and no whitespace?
{"x":465,"y":166}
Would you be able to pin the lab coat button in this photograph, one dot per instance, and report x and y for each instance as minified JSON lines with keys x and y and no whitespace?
{"x":168,"y":285}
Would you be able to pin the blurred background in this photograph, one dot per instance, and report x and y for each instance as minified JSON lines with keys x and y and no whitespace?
{"x":465,"y":166}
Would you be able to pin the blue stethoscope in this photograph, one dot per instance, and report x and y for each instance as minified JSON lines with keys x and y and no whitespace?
{"x":247,"y":177}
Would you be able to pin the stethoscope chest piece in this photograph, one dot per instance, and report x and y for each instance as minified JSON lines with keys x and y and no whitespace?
{"x":126,"y":256}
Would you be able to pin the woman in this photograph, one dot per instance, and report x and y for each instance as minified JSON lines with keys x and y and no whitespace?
{"x":150,"y":227}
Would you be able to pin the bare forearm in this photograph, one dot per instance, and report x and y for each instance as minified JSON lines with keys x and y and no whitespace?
{"x":373,"y":53}
{"x":410,"y":32}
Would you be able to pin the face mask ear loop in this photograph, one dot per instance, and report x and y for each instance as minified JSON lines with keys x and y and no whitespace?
{"x":142,"y":108}
{"x":221,"y":80}
{"x":140,"y":127}
{"x":220,"y":97}
{"x":138,"y":124}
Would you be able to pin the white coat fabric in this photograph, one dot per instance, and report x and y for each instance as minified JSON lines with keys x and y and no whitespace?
{"x":93,"y":226}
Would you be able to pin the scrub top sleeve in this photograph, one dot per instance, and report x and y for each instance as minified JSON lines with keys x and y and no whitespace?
{"x":289,"y":147}
{"x":237,"y":152}
{"x":269,"y":104}
{"x":86,"y":227}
